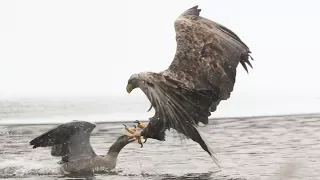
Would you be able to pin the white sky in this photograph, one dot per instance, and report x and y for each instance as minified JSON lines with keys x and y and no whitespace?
{"x":78,"y":47}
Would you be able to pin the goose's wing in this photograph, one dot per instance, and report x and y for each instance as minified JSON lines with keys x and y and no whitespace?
{"x":69,"y":141}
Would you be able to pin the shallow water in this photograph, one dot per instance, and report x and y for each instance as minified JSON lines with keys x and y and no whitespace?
{"x":248,"y":148}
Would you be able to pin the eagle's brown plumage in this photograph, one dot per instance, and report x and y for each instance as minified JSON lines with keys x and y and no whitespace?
{"x":202,"y":73}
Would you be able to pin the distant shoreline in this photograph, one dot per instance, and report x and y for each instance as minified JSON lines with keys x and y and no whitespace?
{"x":213,"y":118}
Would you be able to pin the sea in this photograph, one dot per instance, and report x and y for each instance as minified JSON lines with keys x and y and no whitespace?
{"x":250,"y":146}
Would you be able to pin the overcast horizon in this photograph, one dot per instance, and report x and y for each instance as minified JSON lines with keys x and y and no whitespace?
{"x":91,"y":48}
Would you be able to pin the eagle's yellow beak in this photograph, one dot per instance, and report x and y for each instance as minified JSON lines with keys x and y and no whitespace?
{"x":129,"y":88}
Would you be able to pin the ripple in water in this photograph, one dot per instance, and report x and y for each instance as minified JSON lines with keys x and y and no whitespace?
{"x":253,"y":149}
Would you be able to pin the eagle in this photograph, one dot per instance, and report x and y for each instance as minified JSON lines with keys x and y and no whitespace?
{"x":202,"y":73}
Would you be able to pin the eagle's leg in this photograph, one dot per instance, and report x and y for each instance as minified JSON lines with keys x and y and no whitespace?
{"x":141,"y":126}
{"x":135,"y":133}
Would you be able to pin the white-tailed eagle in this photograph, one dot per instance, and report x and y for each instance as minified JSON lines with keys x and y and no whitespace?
{"x":202,"y":73}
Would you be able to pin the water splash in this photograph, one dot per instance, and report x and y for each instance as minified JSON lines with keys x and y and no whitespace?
{"x":25,"y":168}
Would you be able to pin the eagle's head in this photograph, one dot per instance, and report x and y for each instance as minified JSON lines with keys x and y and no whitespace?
{"x":133,"y":82}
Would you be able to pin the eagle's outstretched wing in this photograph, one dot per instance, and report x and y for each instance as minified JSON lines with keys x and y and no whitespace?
{"x":207,"y":55}
{"x":202,"y":74}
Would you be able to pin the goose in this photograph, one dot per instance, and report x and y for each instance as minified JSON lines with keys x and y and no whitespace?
{"x":71,"y":142}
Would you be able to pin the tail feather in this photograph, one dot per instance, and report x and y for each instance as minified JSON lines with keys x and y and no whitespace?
{"x":210,"y":150}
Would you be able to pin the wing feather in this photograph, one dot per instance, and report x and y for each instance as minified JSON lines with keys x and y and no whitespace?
{"x":69,"y":140}
{"x":207,"y":54}
{"x":179,"y":108}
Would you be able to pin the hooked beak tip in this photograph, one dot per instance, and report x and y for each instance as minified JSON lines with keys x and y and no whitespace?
{"x":129,"y":88}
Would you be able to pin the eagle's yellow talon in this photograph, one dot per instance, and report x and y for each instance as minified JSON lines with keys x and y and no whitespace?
{"x":140,"y":142}
{"x":140,"y":125}
{"x":133,"y":132}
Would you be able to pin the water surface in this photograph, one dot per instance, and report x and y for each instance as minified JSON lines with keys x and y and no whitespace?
{"x":248,"y":148}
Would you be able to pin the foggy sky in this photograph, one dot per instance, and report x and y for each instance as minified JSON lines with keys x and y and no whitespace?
{"x":76,"y":47}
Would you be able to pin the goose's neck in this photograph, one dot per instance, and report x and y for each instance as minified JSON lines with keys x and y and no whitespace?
{"x":110,"y":160}
{"x":112,"y":155}
{"x":116,"y":147}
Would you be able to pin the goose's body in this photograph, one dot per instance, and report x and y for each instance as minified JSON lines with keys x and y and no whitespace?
{"x":90,"y":164}
{"x":71,"y":142}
